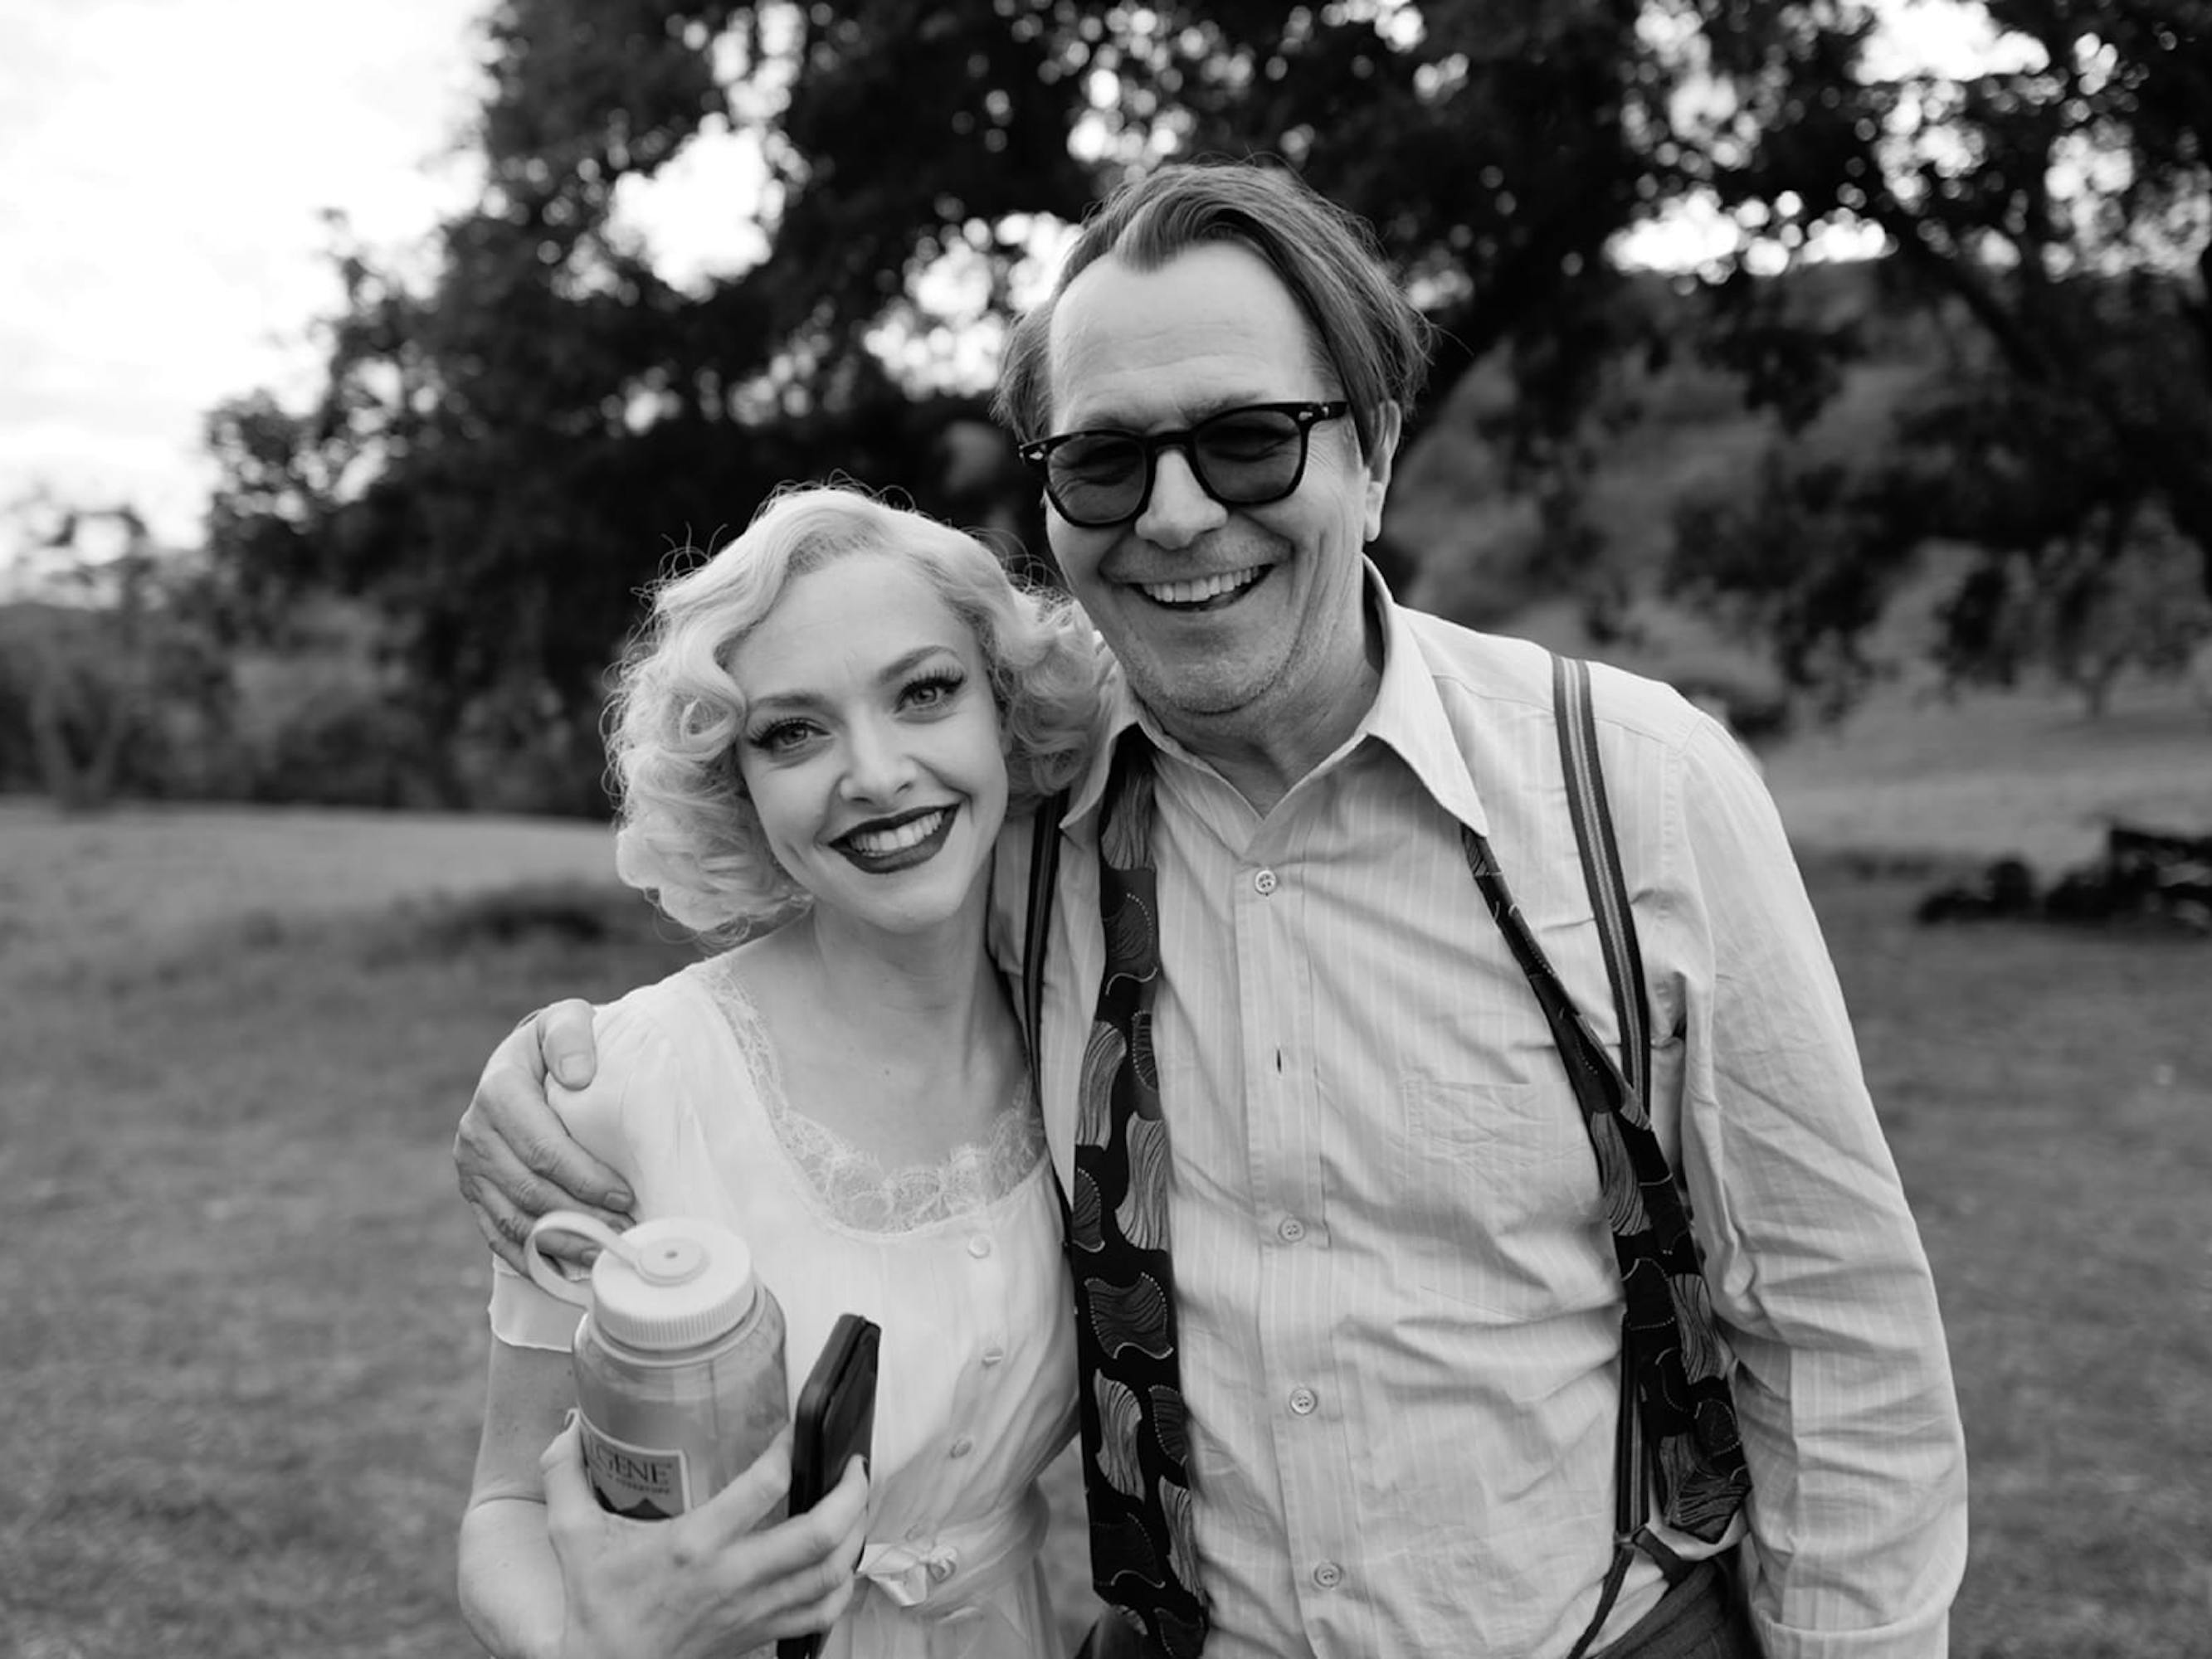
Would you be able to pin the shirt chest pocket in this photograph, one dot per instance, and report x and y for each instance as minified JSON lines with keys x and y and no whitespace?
{"x":1489,"y":1173}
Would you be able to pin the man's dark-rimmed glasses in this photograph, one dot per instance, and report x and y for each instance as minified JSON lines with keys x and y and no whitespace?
{"x":1244,"y":457}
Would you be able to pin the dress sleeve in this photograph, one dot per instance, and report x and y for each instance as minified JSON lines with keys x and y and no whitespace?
{"x":1842,"y":1387}
{"x":637,"y":1065}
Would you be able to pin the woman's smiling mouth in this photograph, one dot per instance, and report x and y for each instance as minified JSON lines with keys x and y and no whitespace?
{"x":883,"y":846}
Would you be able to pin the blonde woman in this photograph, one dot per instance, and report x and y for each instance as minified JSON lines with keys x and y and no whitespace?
{"x":817,"y":743}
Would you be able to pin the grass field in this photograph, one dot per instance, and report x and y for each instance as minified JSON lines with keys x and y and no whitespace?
{"x":244,"y":1332}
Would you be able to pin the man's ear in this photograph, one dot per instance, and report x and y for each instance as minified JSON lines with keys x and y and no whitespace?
{"x":1381,"y":454}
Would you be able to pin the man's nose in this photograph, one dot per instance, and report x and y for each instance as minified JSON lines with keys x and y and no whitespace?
{"x":1179,"y":511}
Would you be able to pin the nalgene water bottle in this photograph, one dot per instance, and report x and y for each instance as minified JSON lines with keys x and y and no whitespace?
{"x":678,"y":1360}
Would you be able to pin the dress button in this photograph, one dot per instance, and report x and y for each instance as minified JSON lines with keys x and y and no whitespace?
{"x":978,"y":1246}
{"x":993,"y":1355}
{"x":1292,"y":1230}
{"x":916,"y":1532}
{"x":1263,"y":882}
{"x":1302,"y":1401}
{"x":1329,"y":1575}
{"x":963,"y":1446}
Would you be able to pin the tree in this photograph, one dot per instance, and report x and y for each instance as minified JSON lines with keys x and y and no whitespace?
{"x":2117,"y":595}
{"x":2056,"y":210}
{"x":1801,"y":558}
{"x":504,"y":456}
{"x":500,"y":458}
{"x":111,"y":666}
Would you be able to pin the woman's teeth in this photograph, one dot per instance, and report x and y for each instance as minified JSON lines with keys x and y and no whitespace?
{"x":881,"y":843}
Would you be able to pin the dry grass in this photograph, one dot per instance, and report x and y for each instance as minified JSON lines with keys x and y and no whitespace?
{"x":2027,"y":773}
{"x":244,"y":1326}
{"x":140,"y":876}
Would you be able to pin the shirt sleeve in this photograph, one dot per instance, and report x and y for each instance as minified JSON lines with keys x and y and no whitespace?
{"x":1843,"y":1386}
{"x":635,"y":1064}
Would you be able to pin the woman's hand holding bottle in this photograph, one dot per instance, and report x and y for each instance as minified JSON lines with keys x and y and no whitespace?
{"x":705,"y":1583}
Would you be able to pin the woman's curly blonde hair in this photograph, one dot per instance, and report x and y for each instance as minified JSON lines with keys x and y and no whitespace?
{"x":688,"y":836}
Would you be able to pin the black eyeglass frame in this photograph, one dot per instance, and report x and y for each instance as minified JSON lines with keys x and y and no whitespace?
{"x":1306,"y":414}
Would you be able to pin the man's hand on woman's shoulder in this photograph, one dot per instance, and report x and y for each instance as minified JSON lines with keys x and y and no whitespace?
{"x":514,"y":1158}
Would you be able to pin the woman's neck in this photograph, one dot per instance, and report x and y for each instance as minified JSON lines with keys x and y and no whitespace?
{"x":934,"y":985}
{"x":907,"y":1006}
{"x":903,"y":1044}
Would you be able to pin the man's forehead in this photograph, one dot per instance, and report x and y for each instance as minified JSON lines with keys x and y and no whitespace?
{"x":1206,"y":329}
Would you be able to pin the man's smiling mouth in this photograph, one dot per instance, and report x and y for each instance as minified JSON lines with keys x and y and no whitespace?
{"x":1203,"y":591}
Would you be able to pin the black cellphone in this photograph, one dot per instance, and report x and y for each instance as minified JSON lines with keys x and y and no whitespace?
{"x":835,"y":1421}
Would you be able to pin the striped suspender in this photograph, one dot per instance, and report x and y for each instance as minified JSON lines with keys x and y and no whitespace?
{"x":1044,"y":876}
{"x":1623,"y":970}
{"x":1608,"y":890}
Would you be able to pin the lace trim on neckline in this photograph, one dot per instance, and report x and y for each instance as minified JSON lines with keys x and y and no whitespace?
{"x":851,"y":1183}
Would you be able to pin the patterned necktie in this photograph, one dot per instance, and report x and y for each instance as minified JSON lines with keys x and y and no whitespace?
{"x":1135,"y":1479}
{"x":1673,"y":1356}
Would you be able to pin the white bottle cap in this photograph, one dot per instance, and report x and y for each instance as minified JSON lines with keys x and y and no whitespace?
{"x":676,"y":1282}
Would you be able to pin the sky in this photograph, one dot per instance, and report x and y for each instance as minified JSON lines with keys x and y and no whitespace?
{"x":166,"y":166}
{"x":164,"y":169}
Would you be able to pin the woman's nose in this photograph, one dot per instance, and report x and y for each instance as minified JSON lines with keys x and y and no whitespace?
{"x":879,"y":762}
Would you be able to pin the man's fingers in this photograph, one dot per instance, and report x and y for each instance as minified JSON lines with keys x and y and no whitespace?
{"x":505,"y":1196}
{"x":504,"y":1227}
{"x":511,"y":1139}
{"x":565,"y":1045}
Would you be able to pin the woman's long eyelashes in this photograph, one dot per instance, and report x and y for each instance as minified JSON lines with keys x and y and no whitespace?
{"x":779,"y":737}
{"x":926,"y":693}
{"x":934,"y":689}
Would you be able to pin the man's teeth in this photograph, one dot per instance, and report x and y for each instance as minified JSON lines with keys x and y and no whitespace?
{"x":880,"y":843}
{"x":1205,"y":587}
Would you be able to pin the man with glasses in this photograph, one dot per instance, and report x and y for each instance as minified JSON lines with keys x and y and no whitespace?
{"x":1350,"y":1279}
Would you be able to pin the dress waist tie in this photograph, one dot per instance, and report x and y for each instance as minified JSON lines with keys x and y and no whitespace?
{"x":950,"y":1582}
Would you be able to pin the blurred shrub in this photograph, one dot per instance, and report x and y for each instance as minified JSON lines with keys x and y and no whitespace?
{"x":360,"y":751}
{"x":604,"y":918}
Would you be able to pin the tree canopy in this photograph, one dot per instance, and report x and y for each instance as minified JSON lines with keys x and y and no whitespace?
{"x":504,"y":454}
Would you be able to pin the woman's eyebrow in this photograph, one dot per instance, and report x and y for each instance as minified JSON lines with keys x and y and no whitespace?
{"x":897,"y":669}
{"x":901,"y":666}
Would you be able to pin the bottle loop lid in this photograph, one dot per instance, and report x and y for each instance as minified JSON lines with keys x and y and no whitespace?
{"x":677,"y":1282}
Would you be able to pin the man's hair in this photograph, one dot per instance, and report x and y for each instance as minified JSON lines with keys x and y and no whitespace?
{"x":688,"y":835}
{"x":1366,"y":334}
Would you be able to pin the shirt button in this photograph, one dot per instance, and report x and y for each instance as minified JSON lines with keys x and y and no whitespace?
{"x":993,"y":1355}
{"x":1263,"y":882}
{"x":978,"y":1246}
{"x":963,"y":1446}
{"x":1329,"y":1575}
{"x":1291,"y":1229}
{"x":1302,"y":1401}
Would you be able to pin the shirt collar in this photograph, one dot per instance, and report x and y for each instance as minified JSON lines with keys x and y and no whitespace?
{"x":1408,"y":716}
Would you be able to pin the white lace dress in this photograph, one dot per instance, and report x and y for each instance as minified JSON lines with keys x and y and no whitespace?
{"x":960,"y":1265}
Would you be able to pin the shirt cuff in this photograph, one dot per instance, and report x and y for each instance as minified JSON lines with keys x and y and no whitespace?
{"x":524,"y":1316}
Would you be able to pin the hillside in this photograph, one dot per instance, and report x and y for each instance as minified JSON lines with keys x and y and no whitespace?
{"x":1662,"y":434}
